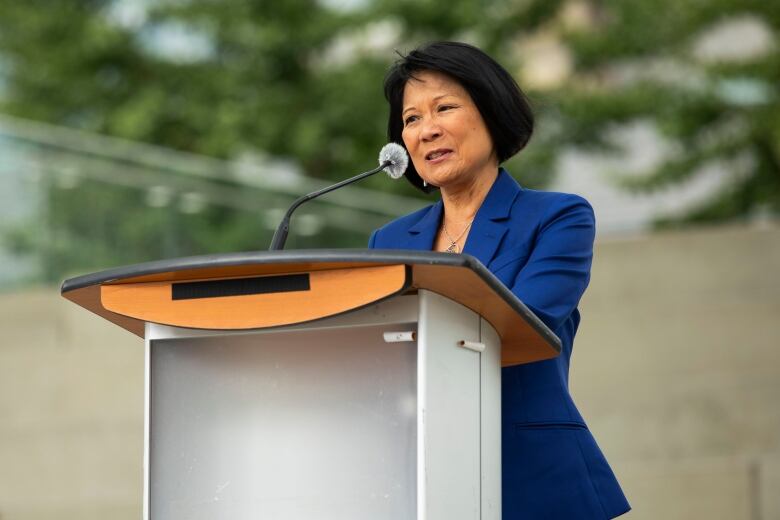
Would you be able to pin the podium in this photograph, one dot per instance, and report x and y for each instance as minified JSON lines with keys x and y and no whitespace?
{"x":320,"y":384}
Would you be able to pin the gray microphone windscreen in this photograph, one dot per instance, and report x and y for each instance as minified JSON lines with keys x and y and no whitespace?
{"x":399,"y":160}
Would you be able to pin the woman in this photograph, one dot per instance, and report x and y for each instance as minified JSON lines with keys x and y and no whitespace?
{"x":459,"y":114}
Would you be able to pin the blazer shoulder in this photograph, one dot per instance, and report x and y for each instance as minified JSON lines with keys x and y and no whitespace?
{"x":551,"y":198}
{"x":387,"y":235}
{"x":549,"y":205}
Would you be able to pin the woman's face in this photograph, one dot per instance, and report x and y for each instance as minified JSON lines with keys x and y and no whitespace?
{"x":443,"y":131}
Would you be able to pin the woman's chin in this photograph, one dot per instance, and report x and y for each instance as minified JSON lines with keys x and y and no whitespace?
{"x":445,"y":181}
{"x":441,"y":176}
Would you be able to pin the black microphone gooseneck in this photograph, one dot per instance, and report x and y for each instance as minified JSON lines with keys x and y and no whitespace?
{"x":280,"y":236}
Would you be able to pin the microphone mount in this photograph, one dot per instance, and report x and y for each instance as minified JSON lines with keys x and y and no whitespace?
{"x":280,"y":236}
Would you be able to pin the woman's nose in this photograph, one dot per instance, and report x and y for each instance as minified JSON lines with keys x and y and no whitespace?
{"x":430,"y":131}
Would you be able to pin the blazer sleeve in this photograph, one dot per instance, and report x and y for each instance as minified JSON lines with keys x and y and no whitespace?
{"x":558,"y":269}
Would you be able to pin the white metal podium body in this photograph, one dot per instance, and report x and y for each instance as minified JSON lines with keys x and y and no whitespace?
{"x":327,"y":420}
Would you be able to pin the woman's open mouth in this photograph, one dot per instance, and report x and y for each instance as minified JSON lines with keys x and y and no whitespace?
{"x":438,"y":155}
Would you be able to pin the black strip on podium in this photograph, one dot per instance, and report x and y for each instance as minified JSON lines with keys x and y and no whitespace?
{"x":240,"y":286}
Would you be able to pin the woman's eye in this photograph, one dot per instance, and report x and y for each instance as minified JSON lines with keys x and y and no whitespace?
{"x":446,"y":107}
{"x":409,"y":119}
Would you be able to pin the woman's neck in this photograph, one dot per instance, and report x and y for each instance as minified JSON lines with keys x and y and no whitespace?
{"x":462,"y":202}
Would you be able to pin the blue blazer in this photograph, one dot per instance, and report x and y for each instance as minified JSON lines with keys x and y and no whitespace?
{"x":540,"y":245}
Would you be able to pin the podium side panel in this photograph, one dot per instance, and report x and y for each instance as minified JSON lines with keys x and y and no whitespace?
{"x":490,"y":378}
{"x":448,"y":478}
{"x":147,"y":410}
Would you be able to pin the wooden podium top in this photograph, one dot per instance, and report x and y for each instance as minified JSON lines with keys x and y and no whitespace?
{"x":276,"y":288}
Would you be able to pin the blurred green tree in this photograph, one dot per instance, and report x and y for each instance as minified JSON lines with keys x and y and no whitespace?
{"x":299,"y":79}
{"x":302,"y":79}
{"x":704,"y":74}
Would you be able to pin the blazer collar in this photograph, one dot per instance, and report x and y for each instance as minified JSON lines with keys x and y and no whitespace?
{"x":487,"y":229}
{"x":422,"y":234}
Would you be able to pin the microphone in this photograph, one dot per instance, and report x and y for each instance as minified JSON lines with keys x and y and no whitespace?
{"x":396,"y":156}
{"x":392,"y":159}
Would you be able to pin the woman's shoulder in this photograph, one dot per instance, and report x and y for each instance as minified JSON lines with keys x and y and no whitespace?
{"x":396,"y":227}
{"x":544,"y":199}
{"x":543,"y":205}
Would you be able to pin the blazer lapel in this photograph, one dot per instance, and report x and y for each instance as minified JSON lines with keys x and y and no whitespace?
{"x":422,"y":234}
{"x":490,"y":222}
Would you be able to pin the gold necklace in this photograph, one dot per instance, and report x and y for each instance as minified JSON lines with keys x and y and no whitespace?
{"x":453,"y":248}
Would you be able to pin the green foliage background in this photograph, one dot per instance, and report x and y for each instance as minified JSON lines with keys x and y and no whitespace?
{"x":263,"y":76}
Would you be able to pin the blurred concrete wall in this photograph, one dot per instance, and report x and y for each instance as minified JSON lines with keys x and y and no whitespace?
{"x":676,"y":368}
{"x":71,"y":412}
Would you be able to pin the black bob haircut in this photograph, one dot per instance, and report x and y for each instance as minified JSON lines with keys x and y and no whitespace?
{"x":502,"y":105}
